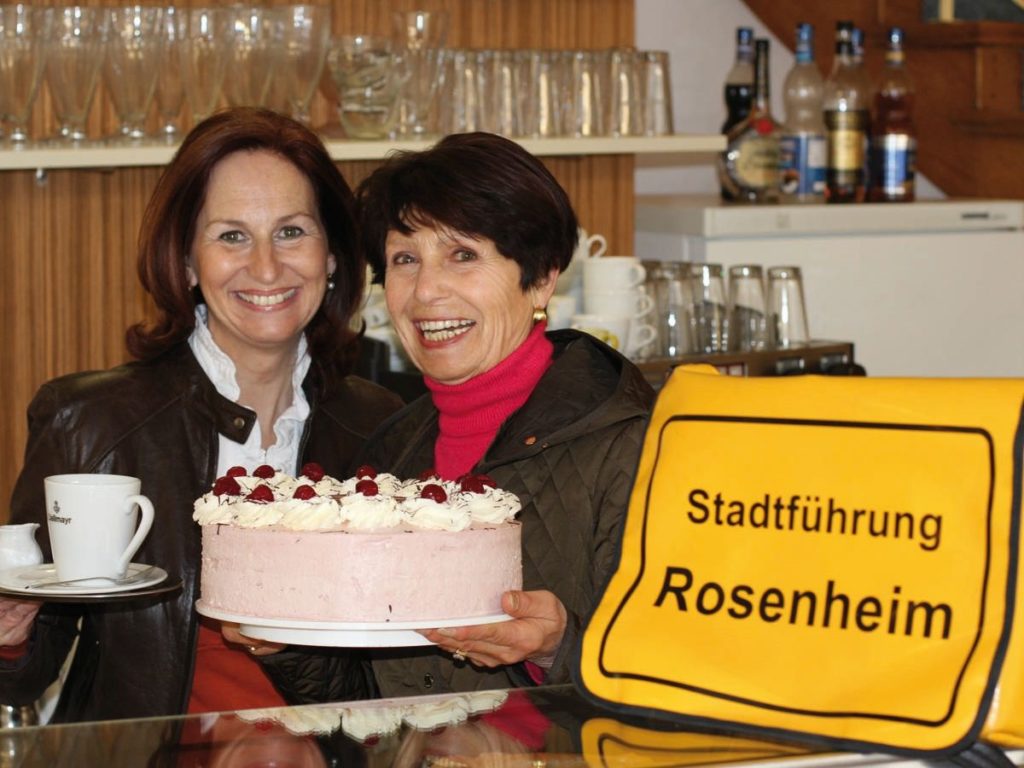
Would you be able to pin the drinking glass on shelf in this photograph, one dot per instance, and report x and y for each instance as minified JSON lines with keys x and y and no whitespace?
{"x":205,"y":60}
{"x":707,"y":311}
{"x":786,"y":307}
{"x":625,"y":97}
{"x":74,"y":58}
{"x":501,"y":100}
{"x":585,"y":94}
{"x":657,"y":94}
{"x":748,"y":316}
{"x":461,"y":93}
{"x":542,"y":93}
{"x":170,"y":85}
{"x":23,"y":30}
{"x":421,"y":36}
{"x":307,"y":35}
{"x":368,"y":77}
{"x":668,"y":284}
{"x":255,"y":50}
{"x":131,"y":64}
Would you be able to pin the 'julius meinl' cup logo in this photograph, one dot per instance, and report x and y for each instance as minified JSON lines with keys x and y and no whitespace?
{"x":55,"y":516}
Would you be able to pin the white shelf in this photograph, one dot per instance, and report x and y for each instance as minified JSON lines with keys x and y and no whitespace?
{"x":710,"y":218}
{"x":42,"y":157}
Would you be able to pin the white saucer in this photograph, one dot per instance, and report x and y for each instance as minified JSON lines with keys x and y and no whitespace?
{"x":336,"y":634}
{"x":22,"y":580}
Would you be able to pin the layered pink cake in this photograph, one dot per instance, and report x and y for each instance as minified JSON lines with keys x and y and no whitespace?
{"x":371,"y":548}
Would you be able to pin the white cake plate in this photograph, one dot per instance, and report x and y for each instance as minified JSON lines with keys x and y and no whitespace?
{"x":387,"y":634}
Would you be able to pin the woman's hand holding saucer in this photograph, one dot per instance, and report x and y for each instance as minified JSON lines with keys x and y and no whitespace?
{"x":533,"y":634}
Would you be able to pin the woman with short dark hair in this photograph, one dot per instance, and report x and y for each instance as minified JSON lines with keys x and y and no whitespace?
{"x":468,"y":238}
{"x":248,"y":250}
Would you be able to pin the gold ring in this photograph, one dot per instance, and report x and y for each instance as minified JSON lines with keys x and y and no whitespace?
{"x":459,"y":655}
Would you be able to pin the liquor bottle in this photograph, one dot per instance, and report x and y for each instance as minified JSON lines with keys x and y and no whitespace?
{"x":749,"y":166}
{"x":893,"y":145}
{"x":803,"y":133}
{"x":739,"y":83}
{"x":857,"y":38}
{"x":846,"y":122}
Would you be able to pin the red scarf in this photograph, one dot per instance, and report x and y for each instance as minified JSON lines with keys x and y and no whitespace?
{"x":471,"y":413}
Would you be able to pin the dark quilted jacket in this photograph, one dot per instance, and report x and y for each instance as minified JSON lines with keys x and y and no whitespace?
{"x":570,"y":454}
{"x":159,"y":421}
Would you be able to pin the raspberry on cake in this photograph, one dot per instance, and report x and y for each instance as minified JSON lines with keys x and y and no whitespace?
{"x":372,"y":548}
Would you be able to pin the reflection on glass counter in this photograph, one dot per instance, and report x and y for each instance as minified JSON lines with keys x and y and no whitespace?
{"x":552,"y":727}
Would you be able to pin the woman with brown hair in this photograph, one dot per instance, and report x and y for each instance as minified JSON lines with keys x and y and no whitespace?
{"x":248,"y":248}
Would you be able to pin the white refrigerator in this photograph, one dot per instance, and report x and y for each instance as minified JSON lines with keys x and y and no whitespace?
{"x":930,"y":288}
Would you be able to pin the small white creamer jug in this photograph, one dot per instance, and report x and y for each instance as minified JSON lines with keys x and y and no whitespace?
{"x":18,"y":546}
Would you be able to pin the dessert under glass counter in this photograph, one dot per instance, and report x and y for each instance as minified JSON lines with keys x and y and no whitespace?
{"x":542,"y":727}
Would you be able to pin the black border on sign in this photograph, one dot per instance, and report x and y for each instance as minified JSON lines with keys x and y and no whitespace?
{"x":1000,"y":650}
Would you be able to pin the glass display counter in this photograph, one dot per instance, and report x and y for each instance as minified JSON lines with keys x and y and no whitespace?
{"x":547,"y":727}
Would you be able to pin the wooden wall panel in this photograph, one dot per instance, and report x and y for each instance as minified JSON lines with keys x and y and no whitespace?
{"x":68,"y":286}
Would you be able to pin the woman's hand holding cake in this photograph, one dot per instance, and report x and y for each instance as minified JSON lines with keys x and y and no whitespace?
{"x":534,"y":633}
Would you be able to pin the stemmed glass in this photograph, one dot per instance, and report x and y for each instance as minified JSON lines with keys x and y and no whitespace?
{"x":307,"y":36}
{"x":205,"y":60}
{"x":133,"y":56}
{"x":255,"y":37}
{"x":170,"y":83}
{"x":23,"y":31}
{"x":74,"y":56}
{"x":421,"y":35}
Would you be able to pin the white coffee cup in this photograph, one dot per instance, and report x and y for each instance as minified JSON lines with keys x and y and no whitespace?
{"x":92,"y":523}
{"x":633,"y":302}
{"x":587,"y":247}
{"x":613,"y":330}
{"x":641,"y":335}
{"x":561,"y":308}
{"x":590,"y":246}
{"x":612,"y":273}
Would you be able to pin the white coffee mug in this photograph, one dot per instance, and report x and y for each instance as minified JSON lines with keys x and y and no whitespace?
{"x":92,"y":523}
{"x":561,"y":308}
{"x":641,"y":335}
{"x":612,"y":273}
{"x":587,"y":247}
{"x":633,"y":302}
{"x":590,"y":246}
{"x":611,"y":329}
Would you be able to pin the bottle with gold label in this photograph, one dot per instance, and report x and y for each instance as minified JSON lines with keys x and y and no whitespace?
{"x":846,"y":108}
{"x":749,"y":166}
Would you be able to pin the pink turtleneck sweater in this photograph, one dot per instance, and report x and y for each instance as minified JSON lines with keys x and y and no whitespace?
{"x":471,"y":413}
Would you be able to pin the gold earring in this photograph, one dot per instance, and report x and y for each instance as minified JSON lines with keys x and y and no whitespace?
{"x":540,"y":314}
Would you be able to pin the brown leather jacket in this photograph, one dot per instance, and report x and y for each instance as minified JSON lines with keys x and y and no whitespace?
{"x":570,"y":454}
{"x":159,"y":421}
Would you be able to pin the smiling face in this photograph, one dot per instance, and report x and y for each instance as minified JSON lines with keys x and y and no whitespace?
{"x":456,"y":302}
{"x":260,"y":254}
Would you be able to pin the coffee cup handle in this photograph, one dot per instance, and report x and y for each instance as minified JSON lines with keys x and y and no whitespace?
{"x":600,"y":242}
{"x":644,"y":335}
{"x":145,"y":523}
{"x":639,"y":274}
{"x":645,"y":305}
